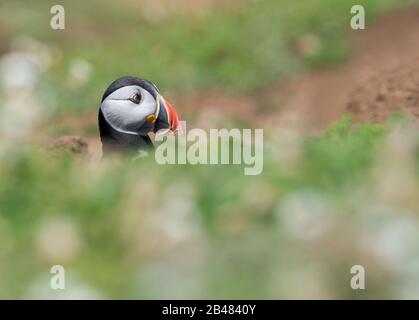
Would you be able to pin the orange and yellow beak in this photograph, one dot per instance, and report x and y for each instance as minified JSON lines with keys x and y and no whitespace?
{"x":173,"y":117}
{"x":165,"y":118}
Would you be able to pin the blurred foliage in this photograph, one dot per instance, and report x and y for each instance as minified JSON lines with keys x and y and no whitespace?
{"x":146,"y":231}
{"x":183,"y":51}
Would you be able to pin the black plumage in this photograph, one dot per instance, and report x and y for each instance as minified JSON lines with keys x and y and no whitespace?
{"x":117,"y":141}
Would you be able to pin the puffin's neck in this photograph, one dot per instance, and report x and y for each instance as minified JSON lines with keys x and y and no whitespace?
{"x":117,"y":142}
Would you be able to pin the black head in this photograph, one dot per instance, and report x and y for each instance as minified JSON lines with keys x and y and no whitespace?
{"x":122,"y":124}
{"x":131,"y":81}
{"x":130,"y":109}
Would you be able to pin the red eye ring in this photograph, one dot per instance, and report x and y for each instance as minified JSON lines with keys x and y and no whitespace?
{"x":136,"y":98}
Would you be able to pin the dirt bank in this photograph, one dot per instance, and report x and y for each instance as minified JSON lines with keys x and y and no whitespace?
{"x":379,"y":78}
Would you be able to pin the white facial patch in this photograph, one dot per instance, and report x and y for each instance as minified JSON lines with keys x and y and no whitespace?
{"x":126,"y":116}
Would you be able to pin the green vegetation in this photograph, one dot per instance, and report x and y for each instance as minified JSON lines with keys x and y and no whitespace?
{"x":142,"y":230}
{"x":234,"y":49}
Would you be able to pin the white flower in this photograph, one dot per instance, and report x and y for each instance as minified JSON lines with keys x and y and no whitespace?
{"x":389,"y":234}
{"x":306,"y":215}
{"x":58,"y":241}
{"x":19,"y":70}
{"x":80,"y":71}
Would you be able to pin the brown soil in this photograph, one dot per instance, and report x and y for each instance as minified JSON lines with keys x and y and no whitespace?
{"x":396,"y":90}
{"x":382,"y":76}
{"x":315,"y":100}
{"x":73,"y":145}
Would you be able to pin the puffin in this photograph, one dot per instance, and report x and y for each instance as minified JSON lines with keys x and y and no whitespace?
{"x":131,"y":109}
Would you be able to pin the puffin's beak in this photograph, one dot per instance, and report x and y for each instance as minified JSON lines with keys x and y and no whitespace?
{"x":173,"y":116}
{"x":166,"y":117}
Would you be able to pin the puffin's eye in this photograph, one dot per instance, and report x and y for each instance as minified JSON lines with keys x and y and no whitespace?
{"x":136,"y":98}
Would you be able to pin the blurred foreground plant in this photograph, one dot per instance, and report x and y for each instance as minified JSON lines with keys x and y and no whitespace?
{"x":127,"y":229}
